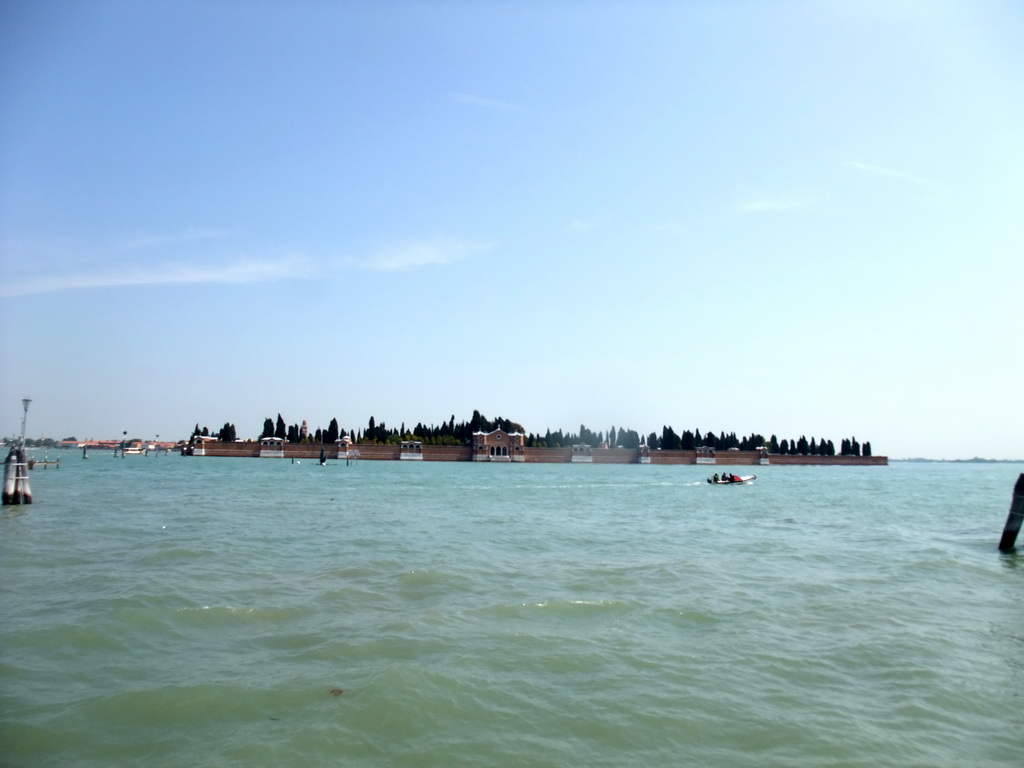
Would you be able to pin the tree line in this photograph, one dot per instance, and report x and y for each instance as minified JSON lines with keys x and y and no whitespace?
{"x":461,"y":433}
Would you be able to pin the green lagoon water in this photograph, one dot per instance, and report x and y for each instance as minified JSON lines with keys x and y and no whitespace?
{"x":169,"y":611}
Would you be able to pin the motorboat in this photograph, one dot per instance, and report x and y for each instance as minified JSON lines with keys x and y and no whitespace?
{"x":732,"y":479}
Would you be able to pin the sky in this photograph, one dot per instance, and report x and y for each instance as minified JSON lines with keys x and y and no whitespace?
{"x":774,"y":217}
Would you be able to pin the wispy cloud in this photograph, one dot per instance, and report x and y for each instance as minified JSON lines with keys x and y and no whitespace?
{"x":581,"y":225}
{"x":893,"y":174}
{"x":152,"y":240}
{"x":480,"y":101}
{"x":243,"y":271}
{"x":412,"y":255}
{"x":133,"y":261}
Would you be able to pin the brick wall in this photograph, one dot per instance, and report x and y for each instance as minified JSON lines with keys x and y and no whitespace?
{"x":547,"y":455}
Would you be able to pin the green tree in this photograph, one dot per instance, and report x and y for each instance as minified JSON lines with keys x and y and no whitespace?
{"x":629,"y":438}
{"x":280,"y":431}
{"x":268,"y":428}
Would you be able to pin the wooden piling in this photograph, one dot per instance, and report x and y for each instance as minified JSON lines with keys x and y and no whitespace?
{"x":16,"y":488}
{"x":1015,"y":517}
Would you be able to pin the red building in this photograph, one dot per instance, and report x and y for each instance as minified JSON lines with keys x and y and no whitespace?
{"x":499,"y":445}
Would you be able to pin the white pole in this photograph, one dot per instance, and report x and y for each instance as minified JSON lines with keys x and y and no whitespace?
{"x":25,"y":402}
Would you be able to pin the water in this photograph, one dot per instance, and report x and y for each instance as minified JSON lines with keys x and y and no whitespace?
{"x":168,"y":611}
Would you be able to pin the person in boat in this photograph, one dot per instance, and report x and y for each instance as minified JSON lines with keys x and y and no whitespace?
{"x":715,"y":478}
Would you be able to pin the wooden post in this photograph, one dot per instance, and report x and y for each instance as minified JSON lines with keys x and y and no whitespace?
{"x":1015,"y":517}
{"x":16,"y":486}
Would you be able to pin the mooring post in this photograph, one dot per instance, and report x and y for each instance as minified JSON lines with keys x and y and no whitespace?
{"x":1015,"y":517}
{"x":16,"y":487}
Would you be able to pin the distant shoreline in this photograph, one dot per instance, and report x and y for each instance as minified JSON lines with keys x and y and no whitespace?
{"x":975,"y":460}
{"x":392,"y":452}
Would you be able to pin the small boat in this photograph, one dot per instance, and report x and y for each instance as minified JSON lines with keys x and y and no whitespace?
{"x":733,"y":480}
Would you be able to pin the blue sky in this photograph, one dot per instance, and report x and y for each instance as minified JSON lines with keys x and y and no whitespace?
{"x":797,"y":218}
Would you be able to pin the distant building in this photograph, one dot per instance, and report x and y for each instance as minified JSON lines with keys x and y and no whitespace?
{"x":499,"y":445}
{"x":271,"y":448}
{"x":345,"y":450}
{"x":412,"y":450}
{"x":705,"y":455}
{"x":582,"y":454}
{"x":199,"y":446}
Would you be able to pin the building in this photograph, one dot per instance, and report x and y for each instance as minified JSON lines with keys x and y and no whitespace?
{"x":582,"y":454}
{"x":271,"y":448}
{"x":412,"y":450}
{"x":499,"y":445}
{"x":705,"y":455}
